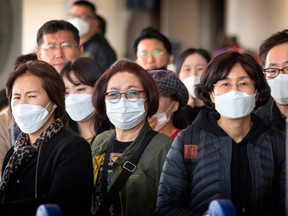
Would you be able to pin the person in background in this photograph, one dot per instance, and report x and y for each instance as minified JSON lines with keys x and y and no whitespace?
{"x":92,"y":29}
{"x":58,"y":42}
{"x":273,"y":54}
{"x":169,"y":118}
{"x":5,"y":126}
{"x":152,"y":49}
{"x":189,"y":67}
{"x":80,"y":76}
{"x":127,"y":95}
{"x":49,"y":164}
{"x":227,"y":152}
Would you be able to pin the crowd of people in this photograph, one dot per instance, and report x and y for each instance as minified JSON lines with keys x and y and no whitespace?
{"x":97,"y":135}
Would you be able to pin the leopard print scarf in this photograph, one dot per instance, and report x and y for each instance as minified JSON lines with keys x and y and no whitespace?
{"x":24,"y":151}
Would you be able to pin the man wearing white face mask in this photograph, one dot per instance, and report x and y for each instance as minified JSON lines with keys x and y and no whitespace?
{"x":92,"y":29}
{"x":273,"y":54}
{"x":227,"y":152}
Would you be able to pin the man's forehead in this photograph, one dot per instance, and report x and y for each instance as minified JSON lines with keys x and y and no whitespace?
{"x":58,"y":37}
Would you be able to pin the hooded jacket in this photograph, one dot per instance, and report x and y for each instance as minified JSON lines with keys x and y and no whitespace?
{"x":183,"y":191}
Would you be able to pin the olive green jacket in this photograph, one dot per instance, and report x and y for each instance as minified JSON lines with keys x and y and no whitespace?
{"x":138,"y":195}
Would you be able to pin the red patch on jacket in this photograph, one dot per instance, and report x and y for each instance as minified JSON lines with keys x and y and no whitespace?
{"x":190,"y":151}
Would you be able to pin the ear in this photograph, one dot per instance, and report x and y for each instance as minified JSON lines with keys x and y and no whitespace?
{"x":81,"y":50}
{"x":212,"y":97}
{"x":175,"y":106}
{"x":171,"y":58}
{"x":256,"y":95}
{"x":38,"y":53}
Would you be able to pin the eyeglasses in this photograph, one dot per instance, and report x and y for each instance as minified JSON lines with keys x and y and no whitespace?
{"x":227,"y":86}
{"x":131,"y":95}
{"x":154,"y":53}
{"x":274,"y":72}
{"x":52,"y":47}
{"x":82,"y":16}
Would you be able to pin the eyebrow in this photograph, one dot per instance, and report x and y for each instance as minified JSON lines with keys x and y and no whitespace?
{"x":129,"y":87}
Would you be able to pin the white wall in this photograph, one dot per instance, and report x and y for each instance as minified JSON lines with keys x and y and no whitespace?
{"x":255,"y":20}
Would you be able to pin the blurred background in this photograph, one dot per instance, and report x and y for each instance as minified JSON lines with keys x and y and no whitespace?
{"x":187,"y":23}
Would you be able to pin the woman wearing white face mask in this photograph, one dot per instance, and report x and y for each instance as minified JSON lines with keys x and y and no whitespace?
{"x":80,"y":76}
{"x":189,"y":67}
{"x":169,"y":118}
{"x":49,"y":164}
{"x":227,"y":152}
{"x":127,"y":95}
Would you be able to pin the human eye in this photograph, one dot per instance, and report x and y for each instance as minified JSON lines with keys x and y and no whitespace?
{"x":80,"y":89}
{"x":156,"y":53}
{"x":66,"y":45}
{"x":50,"y":47}
{"x":225,"y":84}
{"x":144,"y":54}
{"x":285,"y":70}
{"x":243,"y":83}
{"x":132,"y":93}
{"x":271,"y":70}
{"x":113,"y":95}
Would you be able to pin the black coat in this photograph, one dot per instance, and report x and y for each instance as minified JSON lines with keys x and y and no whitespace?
{"x":189,"y":193}
{"x":60,"y":173}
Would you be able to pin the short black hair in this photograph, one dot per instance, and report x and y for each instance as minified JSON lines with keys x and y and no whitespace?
{"x":152,"y":33}
{"x":276,"y":39}
{"x":24,"y":58}
{"x":88,"y":4}
{"x":54,"y":26}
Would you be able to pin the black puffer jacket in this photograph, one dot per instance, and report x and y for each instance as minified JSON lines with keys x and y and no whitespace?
{"x":272,"y":115}
{"x":181,"y":193}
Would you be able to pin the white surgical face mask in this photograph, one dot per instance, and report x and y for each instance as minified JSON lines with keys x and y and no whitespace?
{"x":29,"y":117}
{"x":162,"y":119}
{"x":80,"y":24}
{"x":125,"y":114}
{"x":279,"y":88}
{"x":234,"y":104}
{"x":190,"y":83}
{"x":79,"y":106}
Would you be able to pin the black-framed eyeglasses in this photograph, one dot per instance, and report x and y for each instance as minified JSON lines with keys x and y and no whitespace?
{"x":274,"y":72}
{"x":131,"y":95}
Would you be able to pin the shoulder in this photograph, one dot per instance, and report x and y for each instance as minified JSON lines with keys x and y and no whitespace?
{"x":161,"y":141}
{"x":65,"y":140}
{"x":100,"y":142}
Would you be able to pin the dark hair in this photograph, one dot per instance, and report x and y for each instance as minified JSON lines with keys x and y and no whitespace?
{"x":274,"y":40}
{"x":51,"y":82}
{"x":102,"y":24}
{"x":204,"y":53}
{"x":24,"y":58}
{"x":87,"y":71}
{"x":152,"y":33}
{"x":3,"y":98}
{"x":120,"y":66}
{"x":53,"y":26}
{"x":87,"y":4}
{"x":220,"y":67}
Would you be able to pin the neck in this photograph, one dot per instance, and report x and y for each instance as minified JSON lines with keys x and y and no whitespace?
{"x":169,"y":129}
{"x":194,"y":102}
{"x":129,"y":135}
{"x":86,"y":128}
{"x":283,"y":109}
{"x":236,"y":129}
